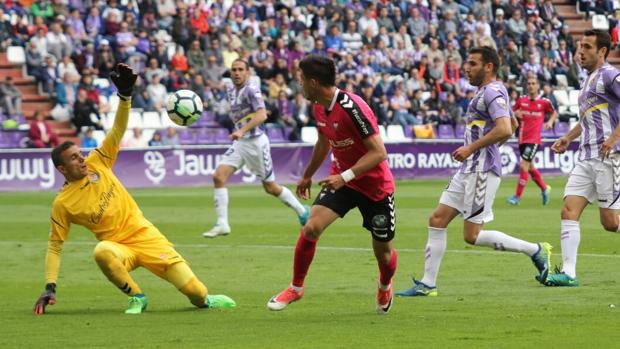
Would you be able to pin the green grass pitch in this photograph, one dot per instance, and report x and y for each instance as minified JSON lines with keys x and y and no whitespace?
{"x":486,"y":299}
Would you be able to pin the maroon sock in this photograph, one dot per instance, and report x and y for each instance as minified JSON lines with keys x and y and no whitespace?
{"x":537,"y":177}
{"x":304,"y":252}
{"x":386,"y":271}
{"x":523,"y":177}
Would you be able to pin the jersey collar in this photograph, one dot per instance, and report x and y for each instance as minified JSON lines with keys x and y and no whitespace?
{"x":334,"y":99}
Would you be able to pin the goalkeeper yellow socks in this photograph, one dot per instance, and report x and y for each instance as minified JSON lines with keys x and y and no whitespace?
{"x":115,"y":271}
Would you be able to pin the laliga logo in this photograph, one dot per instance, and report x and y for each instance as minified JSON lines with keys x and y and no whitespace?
{"x":508,"y":158}
{"x":156,"y":170}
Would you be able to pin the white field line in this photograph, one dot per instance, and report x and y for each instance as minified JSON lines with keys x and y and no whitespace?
{"x":292,"y":247}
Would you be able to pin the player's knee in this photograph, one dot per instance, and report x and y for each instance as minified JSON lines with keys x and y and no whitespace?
{"x":272,"y":189}
{"x":436,"y":221}
{"x":219,"y":180}
{"x":525,"y":166}
{"x":610,"y":225}
{"x":312,"y":230}
{"x":568,"y":213}
{"x":195,"y":291}
{"x":470,"y":238}
{"x":104,"y":253}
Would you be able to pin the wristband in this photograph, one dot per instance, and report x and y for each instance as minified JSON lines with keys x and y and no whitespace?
{"x":50,"y":287}
{"x":347,"y":175}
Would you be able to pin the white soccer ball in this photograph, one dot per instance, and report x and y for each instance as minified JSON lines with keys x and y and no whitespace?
{"x":184,"y":107}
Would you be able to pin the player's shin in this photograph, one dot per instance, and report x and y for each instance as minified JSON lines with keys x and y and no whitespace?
{"x":387,"y":268}
{"x":503,"y":242}
{"x":304,"y":253}
{"x":570,"y":238}
{"x":537,"y":177}
{"x":287,"y":197}
{"x":433,"y":254}
{"x":115,"y":271}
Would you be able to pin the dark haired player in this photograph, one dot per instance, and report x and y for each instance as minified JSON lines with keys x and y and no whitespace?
{"x":359,"y":177}
{"x":94,"y":198}
{"x":471,"y":191}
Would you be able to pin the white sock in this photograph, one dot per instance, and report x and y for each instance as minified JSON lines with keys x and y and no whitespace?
{"x":570,"y":237}
{"x":220,"y":200}
{"x":287,"y":197}
{"x":504,"y":242}
{"x":435,"y":248}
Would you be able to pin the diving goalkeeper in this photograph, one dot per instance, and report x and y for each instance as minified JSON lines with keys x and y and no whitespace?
{"x":93,"y":197}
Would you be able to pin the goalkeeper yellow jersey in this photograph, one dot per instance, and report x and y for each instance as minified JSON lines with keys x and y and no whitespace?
{"x":98,"y":201}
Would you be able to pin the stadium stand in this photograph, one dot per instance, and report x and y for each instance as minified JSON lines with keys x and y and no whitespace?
{"x":415,"y":47}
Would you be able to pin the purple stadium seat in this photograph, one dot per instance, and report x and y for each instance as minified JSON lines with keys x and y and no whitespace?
{"x":186,"y":136}
{"x":409,"y":132}
{"x":205,"y":136}
{"x":6,"y":141}
{"x":445,"y":132}
{"x":548,"y":133}
{"x":222,"y":136}
{"x":275,"y":135}
{"x":20,"y":139}
{"x":460,"y":131}
{"x":561,"y":128}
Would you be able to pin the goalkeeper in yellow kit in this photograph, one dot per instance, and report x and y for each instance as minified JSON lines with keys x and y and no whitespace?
{"x":93,"y":197}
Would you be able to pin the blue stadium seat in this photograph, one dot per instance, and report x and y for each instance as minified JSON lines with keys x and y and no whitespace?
{"x":459,"y":131}
{"x":205,"y":136}
{"x":561,"y":128}
{"x":186,"y":136}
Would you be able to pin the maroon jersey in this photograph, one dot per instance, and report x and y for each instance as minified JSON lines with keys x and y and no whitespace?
{"x":347,"y":122}
{"x":533,"y":111}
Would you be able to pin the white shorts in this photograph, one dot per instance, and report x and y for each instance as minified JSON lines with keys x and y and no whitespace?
{"x":472,"y":194}
{"x":596,"y":180}
{"x":254,"y":153}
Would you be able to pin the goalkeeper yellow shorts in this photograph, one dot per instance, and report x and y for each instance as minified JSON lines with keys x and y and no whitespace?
{"x":149,"y":249}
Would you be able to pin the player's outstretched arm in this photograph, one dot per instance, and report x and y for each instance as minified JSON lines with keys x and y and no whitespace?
{"x":52,"y":267}
{"x":124,"y":79}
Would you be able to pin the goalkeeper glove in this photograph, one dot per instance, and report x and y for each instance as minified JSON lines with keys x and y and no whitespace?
{"x":47,"y":297}
{"x":124,"y":79}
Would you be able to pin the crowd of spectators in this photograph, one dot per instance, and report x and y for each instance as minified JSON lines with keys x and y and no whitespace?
{"x":405,"y":57}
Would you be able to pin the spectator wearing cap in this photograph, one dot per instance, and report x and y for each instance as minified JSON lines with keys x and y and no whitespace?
{"x":106,"y":59}
{"x":499,"y":22}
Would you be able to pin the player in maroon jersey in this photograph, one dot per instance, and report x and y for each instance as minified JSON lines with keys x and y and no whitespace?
{"x":531,"y":111}
{"x":359,"y":177}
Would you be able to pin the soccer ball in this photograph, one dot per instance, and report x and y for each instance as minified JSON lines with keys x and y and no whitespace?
{"x":184,"y":107}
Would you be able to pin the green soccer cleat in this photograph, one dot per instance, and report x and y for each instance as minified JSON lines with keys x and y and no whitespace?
{"x":545,"y":195}
{"x":419,"y":289}
{"x":561,"y":279}
{"x":513,"y":200}
{"x":303,"y":218}
{"x":137,"y":305}
{"x":542,"y":261}
{"x":219,"y":301}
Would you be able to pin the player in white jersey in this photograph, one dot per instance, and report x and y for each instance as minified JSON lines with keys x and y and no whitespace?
{"x":596,"y":176}
{"x":250,"y":148}
{"x":471,"y":191}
